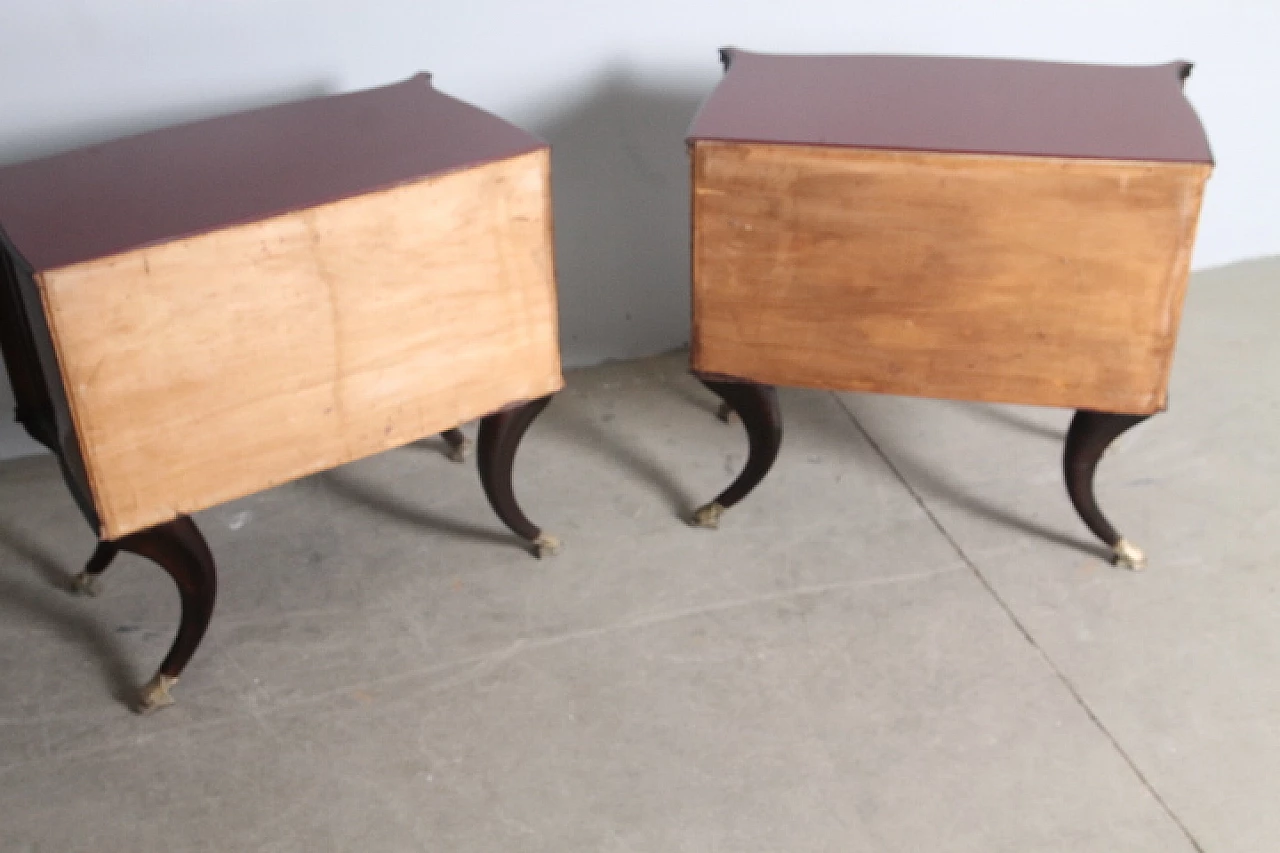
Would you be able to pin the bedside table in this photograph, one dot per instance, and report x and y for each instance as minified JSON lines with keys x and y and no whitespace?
{"x":199,"y":313}
{"x":973,"y":229}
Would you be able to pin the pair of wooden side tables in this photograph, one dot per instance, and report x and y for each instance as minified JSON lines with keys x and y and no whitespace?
{"x":199,"y":313}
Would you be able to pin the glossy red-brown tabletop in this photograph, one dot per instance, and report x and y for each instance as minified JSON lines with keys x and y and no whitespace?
{"x":190,"y":179}
{"x":956,"y":105}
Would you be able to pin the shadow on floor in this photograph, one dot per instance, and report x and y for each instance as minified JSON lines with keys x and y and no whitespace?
{"x":117,"y":674}
{"x":576,"y":428}
{"x":343,"y":483}
{"x":930,"y":483}
{"x":1003,"y":417}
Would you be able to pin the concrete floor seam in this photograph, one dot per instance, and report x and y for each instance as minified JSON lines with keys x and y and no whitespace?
{"x":1026,"y":633}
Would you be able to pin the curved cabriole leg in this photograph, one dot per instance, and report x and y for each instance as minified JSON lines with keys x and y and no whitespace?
{"x":757,"y":406}
{"x":86,"y":583}
{"x":1088,"y":437}
{"x":496,"y":446}
{"x":459,"y":444}
{"x":178,"y":548}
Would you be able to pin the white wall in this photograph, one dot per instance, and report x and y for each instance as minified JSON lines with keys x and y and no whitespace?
{"x":612,"y":85}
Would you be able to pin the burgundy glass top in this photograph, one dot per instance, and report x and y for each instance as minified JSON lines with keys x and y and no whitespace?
{"x":956,"y":105}
{"x":197,"y":177}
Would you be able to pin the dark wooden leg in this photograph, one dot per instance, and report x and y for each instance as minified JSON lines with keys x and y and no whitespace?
{"x":459,"y":444}
{"x":497,"y":443}
{"x":1088,"y":437}
{"x":86,"y":582}
{"x":178,"y":548}
{"x":757,"y":406}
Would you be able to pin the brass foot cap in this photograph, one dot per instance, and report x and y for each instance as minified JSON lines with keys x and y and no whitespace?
{"x":1125,"y":553}
{"x":460,"y":451}
{"x":708,"y":516}
{"x":156,"y":694}
{"x":85,"y":584}
{"x":546,"y":545}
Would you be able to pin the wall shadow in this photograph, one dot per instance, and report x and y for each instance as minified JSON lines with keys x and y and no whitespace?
{"x":620,"y":188}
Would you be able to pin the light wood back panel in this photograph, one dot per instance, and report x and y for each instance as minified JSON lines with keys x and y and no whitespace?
{"x":1008,"y":279}
{"x":212,"y":367}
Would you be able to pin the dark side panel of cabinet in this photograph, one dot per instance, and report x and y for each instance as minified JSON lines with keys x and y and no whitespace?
{"x":33,"y":372}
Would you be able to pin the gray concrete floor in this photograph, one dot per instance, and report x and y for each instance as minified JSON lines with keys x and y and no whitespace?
{"x":903,"y":641}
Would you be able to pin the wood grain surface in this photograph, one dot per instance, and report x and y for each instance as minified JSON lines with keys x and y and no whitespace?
{"x":1030,"y":280}
{"x":215,"y":366}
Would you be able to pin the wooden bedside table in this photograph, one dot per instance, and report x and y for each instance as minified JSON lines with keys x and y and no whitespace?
{"x":993,"y":230}
{"x":199,"y":313}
